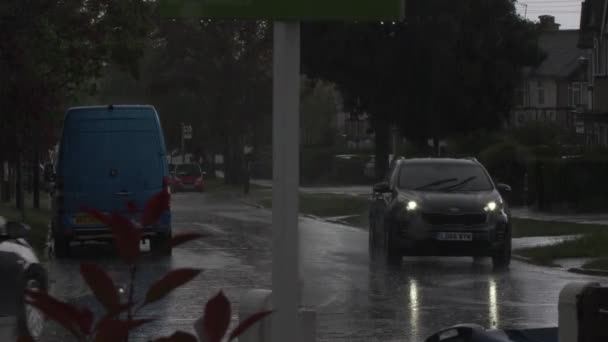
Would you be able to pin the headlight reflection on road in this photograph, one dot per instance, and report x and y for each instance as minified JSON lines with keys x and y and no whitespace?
{"x":414,"y":305}
{"x":493,"y":303}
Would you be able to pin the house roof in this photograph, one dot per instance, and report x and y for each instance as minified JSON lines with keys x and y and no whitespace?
{"x":562,"y":53}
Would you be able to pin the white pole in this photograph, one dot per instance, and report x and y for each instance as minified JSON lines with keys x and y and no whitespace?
{"x":286,"y":123}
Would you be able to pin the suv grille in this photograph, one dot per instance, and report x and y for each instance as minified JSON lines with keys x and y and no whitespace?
{"x":454,"y":219}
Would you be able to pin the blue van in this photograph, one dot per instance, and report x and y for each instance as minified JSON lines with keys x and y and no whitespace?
{"x":108,"y":156}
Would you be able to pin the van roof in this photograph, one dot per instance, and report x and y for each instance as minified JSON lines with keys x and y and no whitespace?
{"x":107,"y":106}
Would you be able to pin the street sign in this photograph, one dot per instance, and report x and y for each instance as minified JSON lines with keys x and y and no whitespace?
{"x":286,"y":10}
{"x":187,"y":132}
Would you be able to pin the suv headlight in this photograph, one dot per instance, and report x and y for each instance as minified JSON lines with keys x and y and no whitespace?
{"x":492,"y":206}
{"x":411,"y":206}
{"x":407,"y":210}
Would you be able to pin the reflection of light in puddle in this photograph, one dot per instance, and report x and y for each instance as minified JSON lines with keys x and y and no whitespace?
{"x":414,"y":305}
{"x":493,"y":303}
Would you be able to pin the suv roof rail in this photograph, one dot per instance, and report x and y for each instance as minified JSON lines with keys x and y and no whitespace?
{"x":471,"y":158}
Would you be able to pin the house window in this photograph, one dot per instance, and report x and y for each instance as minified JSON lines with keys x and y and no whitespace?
{"x":575,"y":94}
{"x":541,"y":92}
{"x":519,"y":97}
{"x":522,"y":95}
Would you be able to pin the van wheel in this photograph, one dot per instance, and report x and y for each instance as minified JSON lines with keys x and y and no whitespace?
{"x":160,"y":245}
{"x":61,"y":247}
{"x":502,"y":258}
{"x":391,"y":252}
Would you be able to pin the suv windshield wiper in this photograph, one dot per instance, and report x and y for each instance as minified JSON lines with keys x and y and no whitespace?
{"x":459,"y":185}
{"x":435,"y":183}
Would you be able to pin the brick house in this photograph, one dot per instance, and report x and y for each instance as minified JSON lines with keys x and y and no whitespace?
{"x":557,"y":90}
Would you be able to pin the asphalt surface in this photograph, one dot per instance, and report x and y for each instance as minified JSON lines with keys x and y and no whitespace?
{"x":356,"y":298}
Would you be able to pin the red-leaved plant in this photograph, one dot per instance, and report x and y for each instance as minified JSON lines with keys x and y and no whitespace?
{"x":112,"y":326}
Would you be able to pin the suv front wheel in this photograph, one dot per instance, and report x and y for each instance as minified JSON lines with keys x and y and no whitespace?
{"x":390,"y":249}
{"x":376,"y":226}
{"x":502,"y":257}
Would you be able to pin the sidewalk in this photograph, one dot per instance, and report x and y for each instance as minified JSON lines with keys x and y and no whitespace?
{"x":527,"y":213}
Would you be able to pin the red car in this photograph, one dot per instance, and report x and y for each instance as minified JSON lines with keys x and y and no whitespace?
{"x":187,"y":177}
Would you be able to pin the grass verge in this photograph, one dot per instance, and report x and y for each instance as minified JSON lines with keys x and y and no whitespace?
{"x":529,"y":228}
{"x":591,"y":245}
{"x":597,"y":264}
{"x":38,"y":219}
{"x":217,"y":185}
{"x":329,"y":206}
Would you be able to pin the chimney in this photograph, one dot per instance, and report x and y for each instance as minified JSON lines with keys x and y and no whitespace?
{"x":547,"y":23}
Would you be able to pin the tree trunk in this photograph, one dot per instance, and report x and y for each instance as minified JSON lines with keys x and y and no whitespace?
{"x":233,"y":166}
{"x":382,"y":142}
{"x":210,"y":163}
{"x":5,"y":196}
{"x":19,"y":196}
{"x":36,"y":175}
{"x":436,"y":148}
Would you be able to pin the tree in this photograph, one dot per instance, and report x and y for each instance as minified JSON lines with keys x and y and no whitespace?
{"x":214,"y":75}
{"x":50,"y":51}
{"x":452,"y":66}
{"x":318,"y":110}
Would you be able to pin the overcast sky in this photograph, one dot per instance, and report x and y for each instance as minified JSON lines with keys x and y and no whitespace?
{"x":566,"y":12}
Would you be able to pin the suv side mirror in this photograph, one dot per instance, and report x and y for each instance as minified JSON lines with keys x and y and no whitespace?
{"x":382,"y":187}
{"x":17,"y":230}
{"x":503,"y":188}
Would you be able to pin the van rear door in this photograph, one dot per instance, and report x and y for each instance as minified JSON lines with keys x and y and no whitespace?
{"x":110,"y":160}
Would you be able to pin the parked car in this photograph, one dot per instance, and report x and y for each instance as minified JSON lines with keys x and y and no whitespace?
{"x":440,"y":207}
{"x":20,"y":269}
{"x":109,"y":156}
{"x":188,"y":177}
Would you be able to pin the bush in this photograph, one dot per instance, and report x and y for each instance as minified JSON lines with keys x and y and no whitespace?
{"x":316,"y":164}
{"x":119,"y":317}
{"x":507,"y":163}
{"x":261,"y":166}
{"x":472,"y":143}
{"x":586,"y":188}
{"x":541,"y":134}
{"x":352,"y":170}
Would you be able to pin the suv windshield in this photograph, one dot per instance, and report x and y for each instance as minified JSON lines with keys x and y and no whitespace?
{"x":444,"y":177}
{"x":188,"y":170}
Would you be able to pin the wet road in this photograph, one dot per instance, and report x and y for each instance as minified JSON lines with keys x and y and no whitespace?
{"x":356,"y":299}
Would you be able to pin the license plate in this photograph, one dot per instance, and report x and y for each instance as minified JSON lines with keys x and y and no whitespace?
{"x":455,"y":236}
{"x":86,"y":220}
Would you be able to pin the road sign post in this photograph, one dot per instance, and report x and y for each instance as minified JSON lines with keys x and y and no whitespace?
{"x":285,"y":174}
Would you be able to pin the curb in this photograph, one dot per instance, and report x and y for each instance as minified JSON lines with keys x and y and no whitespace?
{"x":576,"y":270}
{"x":592,"y":272}
{"x":251,"y":204}
{"x":522,"y":258}
{"x":531,"y":261}
{"x":309,"y":216}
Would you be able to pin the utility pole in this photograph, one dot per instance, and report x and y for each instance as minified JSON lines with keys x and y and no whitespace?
{"x":525,"y":10}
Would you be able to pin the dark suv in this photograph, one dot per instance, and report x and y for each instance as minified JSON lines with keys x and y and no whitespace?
{"x":440,"y":207}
